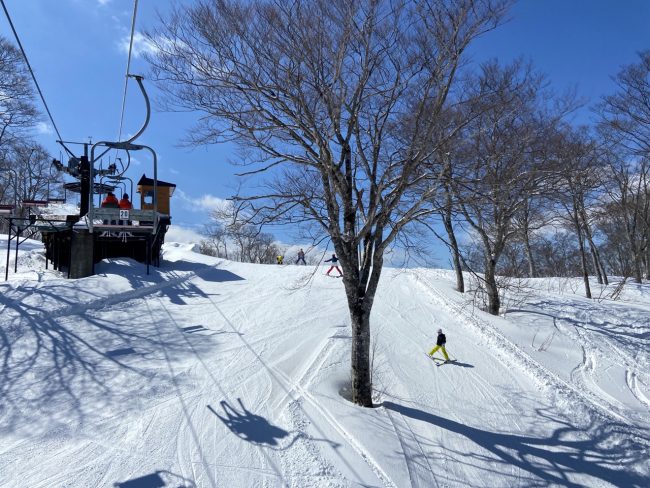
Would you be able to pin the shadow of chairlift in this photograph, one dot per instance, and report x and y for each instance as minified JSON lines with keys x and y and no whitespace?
{"x":127,"y":351}
{"x":194,"y":328}
{"x":249,"y":426}
{"x":157,"y":479}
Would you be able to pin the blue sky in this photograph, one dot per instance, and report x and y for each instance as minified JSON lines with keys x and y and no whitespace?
{"x":78,"y":51}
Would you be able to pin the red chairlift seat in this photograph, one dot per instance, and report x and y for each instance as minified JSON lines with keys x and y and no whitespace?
{"x":6,"y":209}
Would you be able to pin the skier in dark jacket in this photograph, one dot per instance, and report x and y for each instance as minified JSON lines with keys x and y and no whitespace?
{"x":301,"y":257}
{"x":440,"y":344}
{"x":334,"y":260}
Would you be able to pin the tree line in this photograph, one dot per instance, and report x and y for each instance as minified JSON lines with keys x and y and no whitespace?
{"x":25,"y":165}
{"x":539,"y":196}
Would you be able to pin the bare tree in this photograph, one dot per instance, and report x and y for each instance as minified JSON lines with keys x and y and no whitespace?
{"x":534,"y":214}
{"x":502,"y":159}
{"x":322,"y":88}
{"x":625,"y":126}
{"x":628,"y":201}
{"x":625,"y":115}
{"x":578,"y":189}
{"x":446,"y":213}
{"x":247,"y":243}
{"x":216,"y":243}
{"x":31,"y":176}
{"x":17,"y":110}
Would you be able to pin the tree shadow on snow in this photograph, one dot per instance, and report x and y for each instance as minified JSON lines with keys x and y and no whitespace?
{"x":64,"y":345}
{"x":601,"y":451}
{"x":171,"y":279}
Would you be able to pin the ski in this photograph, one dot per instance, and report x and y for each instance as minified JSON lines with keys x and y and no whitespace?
{"x":445,"y":362}
{"x":433,"y":358}
{"x":439,"y":361}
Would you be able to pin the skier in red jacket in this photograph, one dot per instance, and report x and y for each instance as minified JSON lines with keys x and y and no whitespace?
{"x":334,"y":260}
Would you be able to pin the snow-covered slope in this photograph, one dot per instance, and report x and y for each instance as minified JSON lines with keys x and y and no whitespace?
{"x":209,"y":373}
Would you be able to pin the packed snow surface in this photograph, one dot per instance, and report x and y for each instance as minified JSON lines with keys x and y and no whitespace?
{"x":210,"y":373}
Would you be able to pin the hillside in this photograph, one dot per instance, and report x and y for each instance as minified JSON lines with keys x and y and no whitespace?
{"x":210,"y":373}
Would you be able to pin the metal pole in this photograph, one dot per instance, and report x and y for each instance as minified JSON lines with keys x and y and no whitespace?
{"x":70,"y":253}
{"x":17,"y":243}
{"x":148,"y":107}
{"x":148,"y":252}
{"x":8,"y":248}
{"x":155,"y":185}
{"x":85,"y":182}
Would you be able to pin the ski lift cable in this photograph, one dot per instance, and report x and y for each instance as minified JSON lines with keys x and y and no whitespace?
{"x":29,"y":66}
{"x":128,"y":68}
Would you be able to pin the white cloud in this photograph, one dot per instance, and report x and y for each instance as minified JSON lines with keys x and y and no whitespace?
{"x":179,"y":233}
{"x":44,"y":128}
{"x":204,"y":203}
{"x":173,"y":171}
{"x":141,"y":45}
{"x":134,"y":161}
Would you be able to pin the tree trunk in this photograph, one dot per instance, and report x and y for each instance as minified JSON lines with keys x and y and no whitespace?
{"x":585,"y":272}
{"x":595,"y":254}
{"x":532,"y":270}
{"x":361,"y":384}
{"x":583,"y":261}
{"x":594,"y":260}
{"x":455,"y":251}
{"x":638,"y":276}
{"x":494,"y":301}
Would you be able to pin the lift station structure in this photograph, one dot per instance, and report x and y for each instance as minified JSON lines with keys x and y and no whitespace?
{"x":76,"y":242}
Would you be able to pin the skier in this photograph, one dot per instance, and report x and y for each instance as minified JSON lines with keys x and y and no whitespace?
{"x":334,"y":260}
{"x":125,"y":203}
{"x":301,"y":257}
{"x":440,"y":344}
{"x":110,"y":201}
{"x":279,"y":259}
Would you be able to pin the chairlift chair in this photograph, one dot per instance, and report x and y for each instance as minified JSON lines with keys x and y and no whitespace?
{"x":34,"y":203}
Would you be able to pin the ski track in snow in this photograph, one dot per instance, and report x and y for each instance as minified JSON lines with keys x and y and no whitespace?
{"x":249,"y":397}
{"x":472,"y":386}
{"x":604,"y":349}
{"x":535,"y":369}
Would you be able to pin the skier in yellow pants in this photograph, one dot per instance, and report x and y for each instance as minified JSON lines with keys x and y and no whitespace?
{"x":440,"y":344}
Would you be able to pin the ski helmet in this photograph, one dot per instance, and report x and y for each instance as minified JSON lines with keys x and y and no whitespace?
{"x":439,"y":331}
